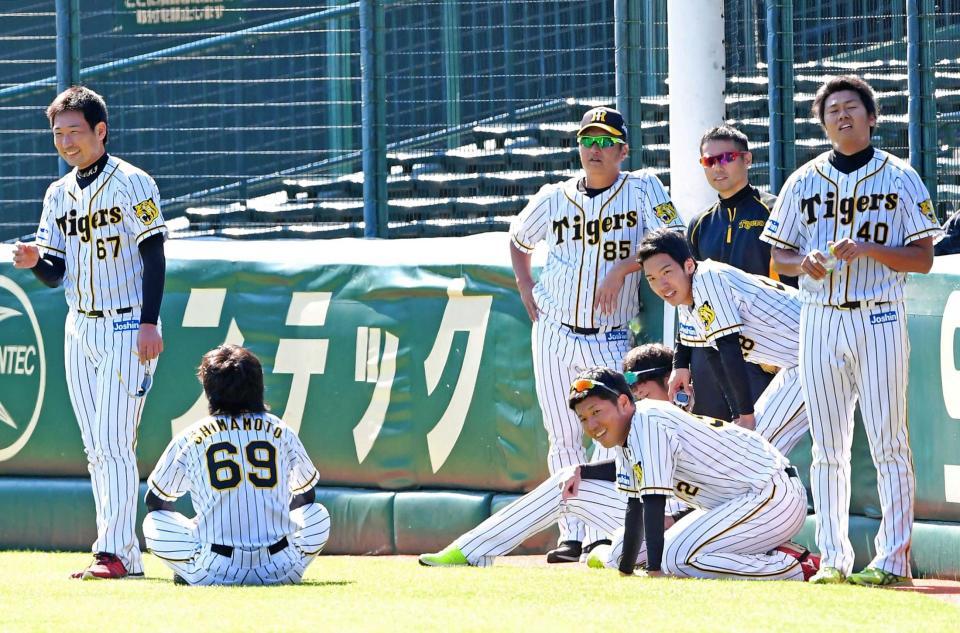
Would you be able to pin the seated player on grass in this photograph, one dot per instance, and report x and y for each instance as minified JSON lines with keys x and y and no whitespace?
{"x":595,"y":499}
{"x":749,"y":500}
{"x":250,"y":481}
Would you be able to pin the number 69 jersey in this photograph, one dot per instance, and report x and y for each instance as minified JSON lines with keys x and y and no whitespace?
{"x":241,"y":472}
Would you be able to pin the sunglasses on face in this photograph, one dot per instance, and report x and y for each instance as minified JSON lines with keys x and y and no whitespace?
{"x":602,"y":142}
{"x":723,"y":158}
{"x":582,"y":385}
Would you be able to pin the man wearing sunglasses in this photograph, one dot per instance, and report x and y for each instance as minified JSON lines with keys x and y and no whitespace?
{"x":728,"y":231}
{"x":587,"y":290}
{"x":743,"y":517}
{"x":595,"y":502}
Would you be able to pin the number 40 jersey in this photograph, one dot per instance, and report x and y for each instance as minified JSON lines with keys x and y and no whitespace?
{"x":241,"y":472}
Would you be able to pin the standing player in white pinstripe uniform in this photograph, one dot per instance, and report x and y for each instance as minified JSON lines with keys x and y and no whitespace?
{"x":735,"y":316}
{"x":250,"y":481}
{"x":101,"y":234}
{"x":748,"y":498}
{"x":587,"y":291}
{"x":871,"y":211}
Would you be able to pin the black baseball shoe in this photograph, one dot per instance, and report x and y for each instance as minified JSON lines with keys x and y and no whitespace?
{"x":179,"y":580}
{"x":567,"y":552}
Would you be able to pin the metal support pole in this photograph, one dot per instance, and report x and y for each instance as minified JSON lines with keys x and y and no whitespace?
{"x":509,"y":58}
{"x":451,"y":67}
{"x":783,"y":158}
{"x":628,"y":43}
{"x":68,"y":51}
{"x":373,"y":118}
{"x":921,"y":106}
{"x":340,"y":113}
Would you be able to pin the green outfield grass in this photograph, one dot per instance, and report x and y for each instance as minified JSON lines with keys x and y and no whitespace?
{"x":342,"y":593}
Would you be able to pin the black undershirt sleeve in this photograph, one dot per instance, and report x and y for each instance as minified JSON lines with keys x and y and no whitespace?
{"x":731,"y":373}
{"x":50,"y":270}
{"x":632,"y":535}
{"x":681,"y":355}
{"x":303,"y":499}
{"x":154,"y":273}
{"x":154,"y":502}
{"x":603,"y":471}
{"x":654,"y":506}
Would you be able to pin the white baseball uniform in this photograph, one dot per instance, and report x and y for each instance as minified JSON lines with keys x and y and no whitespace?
{"x":586,"y":238}
{"x":853,"y":340}
{"x":748,"y":497}
{"x":766,"y":316}
{"x":96,"y":230}
{"x":241,"y":473}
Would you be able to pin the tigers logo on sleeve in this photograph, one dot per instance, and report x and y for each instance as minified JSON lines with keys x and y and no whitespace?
{"x":666,"y":212}
{"x":147,"y":211}
{"x":707,"y":315}
{"x":638,"y":475}
{"x":926,"y":208}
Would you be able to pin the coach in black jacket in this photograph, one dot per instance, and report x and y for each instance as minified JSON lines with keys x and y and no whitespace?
{"x":728,"y":232}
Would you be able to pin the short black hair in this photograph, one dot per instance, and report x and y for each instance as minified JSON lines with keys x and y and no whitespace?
{"x":80,"y":99}
{"x":232,"y":378}
{"x":651,"y":361}
{"x":614,"y":384}
{"x":666,"y":241}
{"x":838,"y":84}
{"x":726,"y":133}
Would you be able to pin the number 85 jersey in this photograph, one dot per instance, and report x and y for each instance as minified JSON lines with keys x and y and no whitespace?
{"x":241,"y":472}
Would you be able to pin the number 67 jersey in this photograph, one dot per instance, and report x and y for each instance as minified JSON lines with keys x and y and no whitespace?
{"x":241,"y":472}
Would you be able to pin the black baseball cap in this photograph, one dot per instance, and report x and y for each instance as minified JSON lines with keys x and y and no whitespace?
{"x":606,"y":119}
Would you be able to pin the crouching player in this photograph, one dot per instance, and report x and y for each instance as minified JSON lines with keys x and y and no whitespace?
{"x":250,"y":481}
{"x":748,"y":498}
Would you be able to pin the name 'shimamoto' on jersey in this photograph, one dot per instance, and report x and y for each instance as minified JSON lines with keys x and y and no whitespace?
{"x":588,"y":237}
{"x":702,"y":461}
{"x":241,"y":472}
{"x":97,"y":229}
{"x":883,"y":202}
{"x":727,"y":300}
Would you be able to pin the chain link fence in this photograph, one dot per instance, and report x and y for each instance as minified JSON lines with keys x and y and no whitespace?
{"x":251,"y":115}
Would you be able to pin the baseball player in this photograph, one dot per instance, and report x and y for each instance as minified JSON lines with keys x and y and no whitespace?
{"x":597,"y":502}
{"x":587,"y":290}
{"x":101,"y":234}
{"x":853,"y":222}
{"x":748,"y":498}
{"x":729,"y":231}
{"x":250,"y":481}
{"x":735,"y":317}
{"x":587,"y":491}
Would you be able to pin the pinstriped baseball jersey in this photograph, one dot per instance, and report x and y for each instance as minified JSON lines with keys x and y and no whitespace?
{"x":884,"y":202}
{"x":96,"y":230}
{"x":702,"y":461}
{"x":240,"y":472}
{"x":726,"y":300}
{"x":587,"y":238}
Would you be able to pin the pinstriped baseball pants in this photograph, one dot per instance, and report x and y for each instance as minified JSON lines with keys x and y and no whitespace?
{"x":172,"y":538}
{"x":102,"y":374}
{"x":558,"y":356}
{"x":849,"y":357}
{"x":597,"y":504}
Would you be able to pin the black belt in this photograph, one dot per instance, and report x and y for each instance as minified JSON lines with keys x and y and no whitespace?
{"x":585,"y":330}
{"x":227,"y":550}
{"x":856,"y":305}
{"x":791,"y":471}
{"x":96,"y":314}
